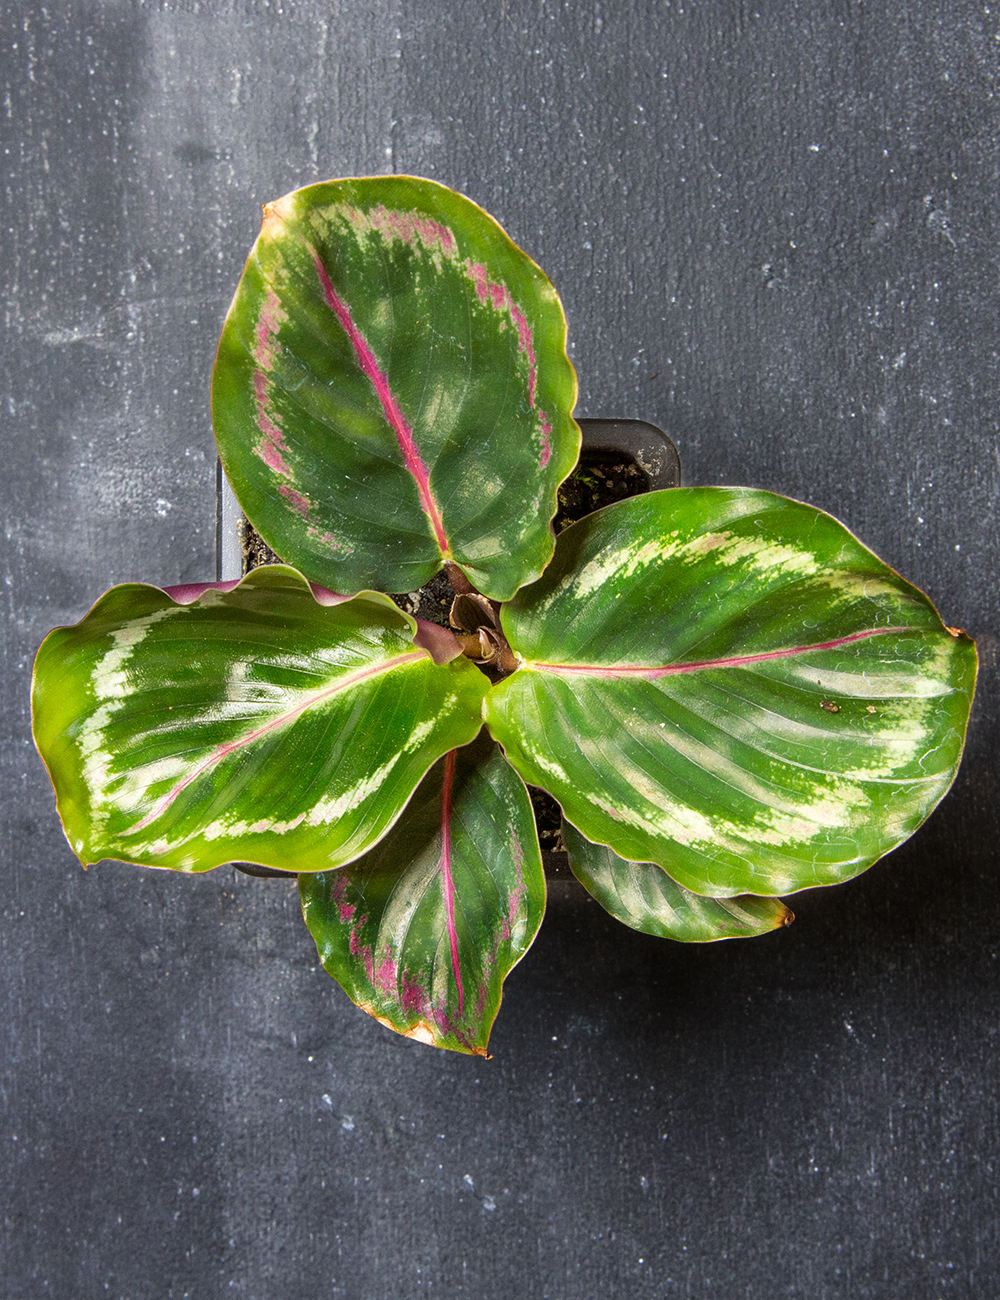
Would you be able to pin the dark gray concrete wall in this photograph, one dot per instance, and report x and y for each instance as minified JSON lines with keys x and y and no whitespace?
{"x":775,"y":230}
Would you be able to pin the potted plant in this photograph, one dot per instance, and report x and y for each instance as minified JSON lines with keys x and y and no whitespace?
{"x":729,"y":696}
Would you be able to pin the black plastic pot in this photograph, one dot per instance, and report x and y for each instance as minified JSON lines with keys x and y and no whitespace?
{"x":648,"y":446}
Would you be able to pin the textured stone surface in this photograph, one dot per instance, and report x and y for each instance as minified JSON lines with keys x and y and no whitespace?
{"x":776,"y":234}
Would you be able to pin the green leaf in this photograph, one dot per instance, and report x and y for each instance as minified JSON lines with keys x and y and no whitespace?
{"x":422,"y":931}
{"x":392,"y":391}
{"x":643,"y":896}
{"x":254,"y":723}
{"x":728,"y":684}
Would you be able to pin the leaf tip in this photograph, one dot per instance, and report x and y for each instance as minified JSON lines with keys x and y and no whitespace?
{"x":276,"y":213}
{"x":788,"y":917}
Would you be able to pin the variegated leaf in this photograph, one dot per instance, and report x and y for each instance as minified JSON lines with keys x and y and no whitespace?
{"x":254,"y":721}
{"x":422,"y":930}
{"x":727,"y":683}
{"x":392,"y":391}
{"x":642,"y":895}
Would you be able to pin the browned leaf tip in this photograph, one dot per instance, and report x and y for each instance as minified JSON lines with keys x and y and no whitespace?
{"x":276,"y":213}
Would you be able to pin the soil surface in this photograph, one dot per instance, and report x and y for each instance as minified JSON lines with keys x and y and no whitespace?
{"x":255,"y":550}
{"x":603,"y":475}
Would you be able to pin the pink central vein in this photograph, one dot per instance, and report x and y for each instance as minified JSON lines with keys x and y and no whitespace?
{"x":739,"y":661}
{"x":379,"y":381}
{"x":217,"y":755}
{"x":447,"y":882}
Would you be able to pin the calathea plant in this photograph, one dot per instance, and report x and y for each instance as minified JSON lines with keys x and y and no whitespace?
{"x":729,"y":696}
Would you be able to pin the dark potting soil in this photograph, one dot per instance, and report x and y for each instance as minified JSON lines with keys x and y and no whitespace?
{"x":603,"y":475}
{"x":255,"y":550}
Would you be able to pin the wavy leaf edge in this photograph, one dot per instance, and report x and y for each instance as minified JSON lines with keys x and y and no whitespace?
{"x":743,"y":916}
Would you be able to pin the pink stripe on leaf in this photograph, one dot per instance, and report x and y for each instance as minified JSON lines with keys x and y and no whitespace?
{"x":409,"y":227}
{"x":299,"y":502}
{"x":270,"y":319}
{"x":499,"y":297}
{"x":738,"y":661}
{"x":378,"y":380}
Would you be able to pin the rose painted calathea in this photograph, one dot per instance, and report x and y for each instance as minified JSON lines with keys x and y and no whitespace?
{"x":729,"y":696}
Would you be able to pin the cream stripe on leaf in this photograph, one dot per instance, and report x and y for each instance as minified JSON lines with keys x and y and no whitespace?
{"x":726,"y":683}
{"x":255,"y":724}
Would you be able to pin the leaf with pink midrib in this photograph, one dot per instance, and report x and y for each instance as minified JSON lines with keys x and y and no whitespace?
{"x":392,"y":390}
{"x":422,"y":931}
{"x":727,"y":684}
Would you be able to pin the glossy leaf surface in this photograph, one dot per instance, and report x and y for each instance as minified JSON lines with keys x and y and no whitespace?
{"x":253,"y":723}
{"x":422,"y":930}
{"x":642,"y":895}
{"x":727,"y":683}
{"x":392,"y":390}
